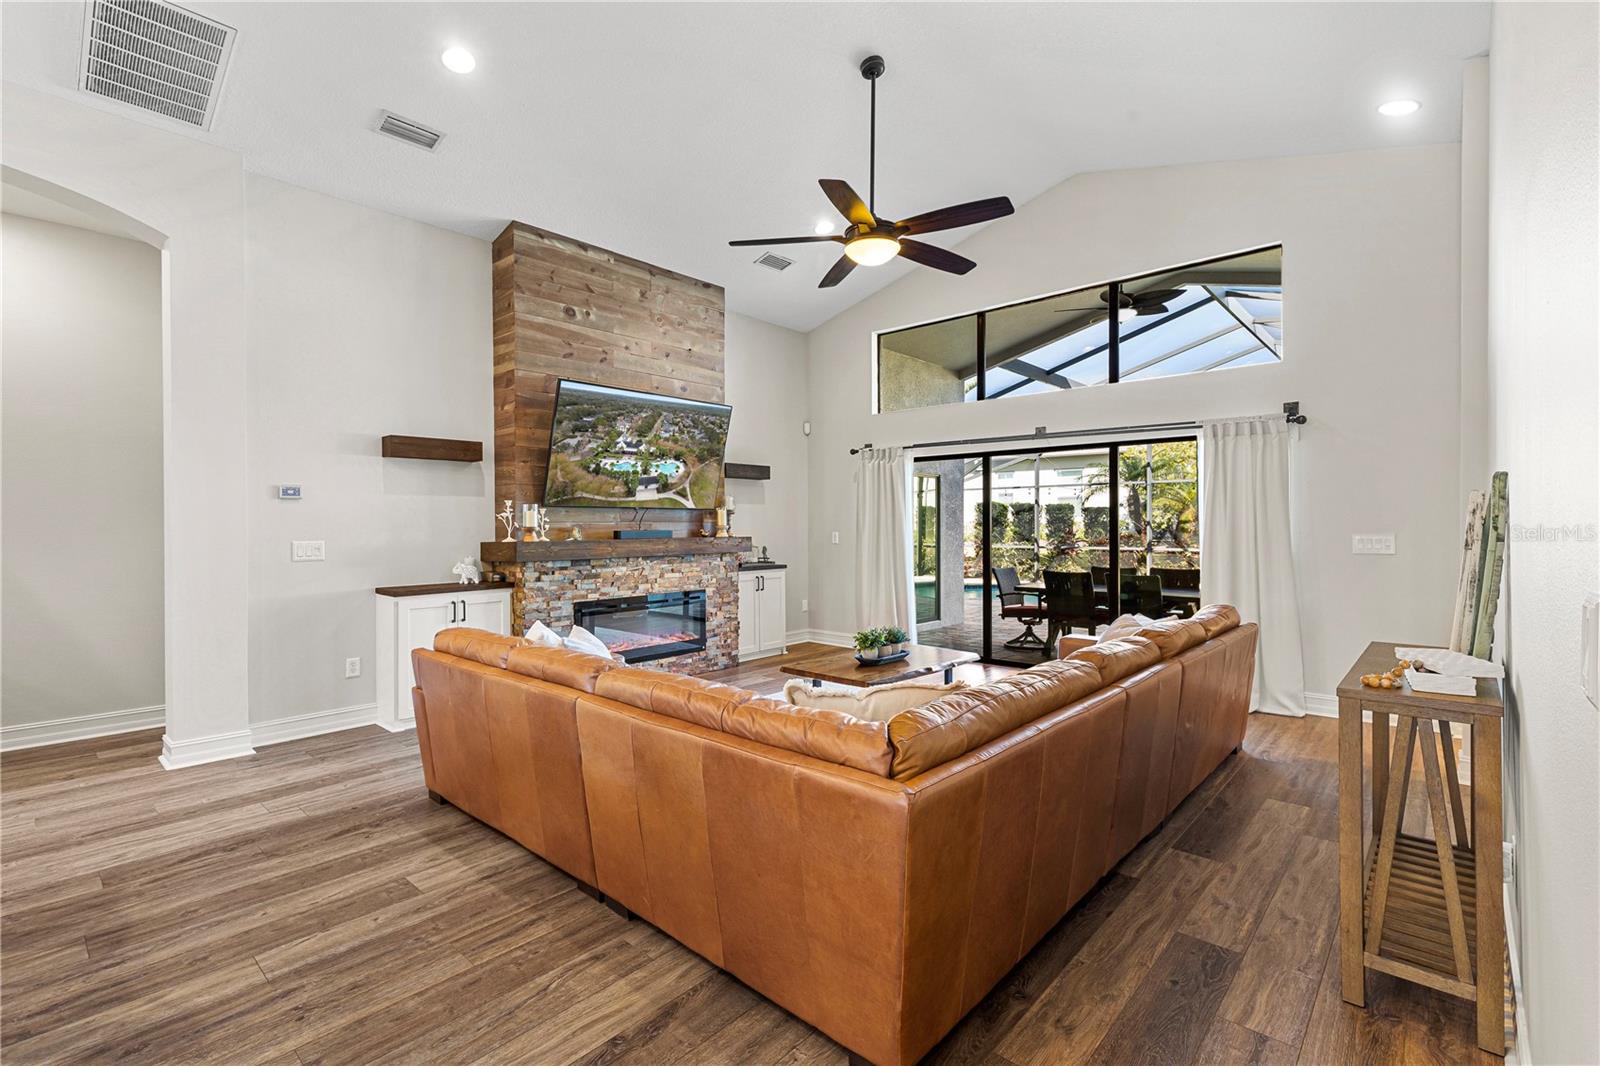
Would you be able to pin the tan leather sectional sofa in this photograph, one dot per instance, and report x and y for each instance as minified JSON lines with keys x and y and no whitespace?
{"x":874,"y":878}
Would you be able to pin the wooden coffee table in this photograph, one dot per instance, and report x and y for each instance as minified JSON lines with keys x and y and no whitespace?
{"x":841,"y":667}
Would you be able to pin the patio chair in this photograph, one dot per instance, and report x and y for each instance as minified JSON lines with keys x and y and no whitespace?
{"x":1069,"y":601}
{"x":1014,"y":604}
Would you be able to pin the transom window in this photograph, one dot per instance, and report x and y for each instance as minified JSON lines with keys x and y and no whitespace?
{"x":1212,"y":315}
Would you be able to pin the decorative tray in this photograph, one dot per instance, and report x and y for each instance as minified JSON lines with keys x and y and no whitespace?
{"x":876,"y":661}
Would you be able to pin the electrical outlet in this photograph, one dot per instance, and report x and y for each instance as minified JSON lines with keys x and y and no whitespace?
{"x":805,"y":605}
{"x":836,"y":536}
{"x":1372,"y":544}
{"x":352,"y":668}
{"x":308,"y":551}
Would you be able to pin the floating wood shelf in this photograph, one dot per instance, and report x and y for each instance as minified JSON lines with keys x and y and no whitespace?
{"x":396,"y":446}
{"x":440,"y":587}
{"x":523,"y":551}
{"x":747,"y":471}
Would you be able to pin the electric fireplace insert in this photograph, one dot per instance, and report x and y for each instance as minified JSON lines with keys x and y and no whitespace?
{"x":641,"y":628}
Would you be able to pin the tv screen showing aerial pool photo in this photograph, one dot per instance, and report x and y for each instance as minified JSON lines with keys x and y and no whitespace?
{"x":620,"y":448}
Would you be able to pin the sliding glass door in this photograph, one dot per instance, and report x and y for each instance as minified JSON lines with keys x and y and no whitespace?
{"x":1023,"y":543}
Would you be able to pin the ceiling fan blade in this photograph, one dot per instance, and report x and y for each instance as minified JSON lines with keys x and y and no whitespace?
{"x":969,"y":214}
{"x":1157,"y":296}
{"x":845,"y":199}
{"x":786,"y":240}
{"x":1151,"y":309}
{"x":837,"y":272}
{"x":938,"y":258}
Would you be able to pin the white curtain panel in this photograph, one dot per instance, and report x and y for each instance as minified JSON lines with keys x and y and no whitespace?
{"x":1246,"y":556}
{"x":883,"y":540}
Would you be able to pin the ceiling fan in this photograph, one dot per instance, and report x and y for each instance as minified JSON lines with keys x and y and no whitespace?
{"x":1130,"y":305}
{"x":870,"y":240}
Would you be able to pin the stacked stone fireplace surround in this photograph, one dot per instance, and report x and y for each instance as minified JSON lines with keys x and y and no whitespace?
{"x":545,"y":591}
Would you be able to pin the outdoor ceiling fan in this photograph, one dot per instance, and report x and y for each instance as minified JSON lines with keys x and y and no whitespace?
{"x":1130,"y":305}
{"x":869,"y":240}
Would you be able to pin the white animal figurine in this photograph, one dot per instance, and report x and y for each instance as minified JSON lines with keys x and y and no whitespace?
{"x":467,"y":570}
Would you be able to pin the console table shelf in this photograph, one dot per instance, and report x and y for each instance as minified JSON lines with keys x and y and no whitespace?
{"x":535,"y":551}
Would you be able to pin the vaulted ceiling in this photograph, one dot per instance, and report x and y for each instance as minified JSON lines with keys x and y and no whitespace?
{"x":664,"y":130}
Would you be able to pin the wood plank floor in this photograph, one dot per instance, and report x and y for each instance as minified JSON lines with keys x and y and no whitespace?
{"x":309,"y":905}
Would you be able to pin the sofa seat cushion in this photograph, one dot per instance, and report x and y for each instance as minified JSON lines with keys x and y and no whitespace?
{"x":1117,"y":659}
{"x":951,"y":726}
{"x":479,"y":645}
{"x":831,"y":736}
{"x":574,"y":669}
{"x":1216,"y":619}
{"x":1174,"y":636}
{"x":875,"y":703}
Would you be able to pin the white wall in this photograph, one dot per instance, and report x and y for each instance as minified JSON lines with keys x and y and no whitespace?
{"x":1543,"y":404}
{"x":81,"y":388}
{"x":766,"y":385}
{"x":1372,"y":279}
{"x":189,"y":197}
{"x":359,"y":323}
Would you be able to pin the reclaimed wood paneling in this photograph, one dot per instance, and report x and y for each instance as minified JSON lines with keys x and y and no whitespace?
{"x":565,"y":309}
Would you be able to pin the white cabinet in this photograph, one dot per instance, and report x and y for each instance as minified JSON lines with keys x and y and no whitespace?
{"x":763,"y":613}
{"x":409,"y":619}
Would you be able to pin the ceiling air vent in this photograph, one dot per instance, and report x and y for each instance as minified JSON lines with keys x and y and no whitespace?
{"x":156,"y":57}
{"x":403,"y":129}
{"x":776,"y":262}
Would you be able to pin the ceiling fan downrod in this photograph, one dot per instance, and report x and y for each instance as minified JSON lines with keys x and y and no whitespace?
{"x":872,"y":69}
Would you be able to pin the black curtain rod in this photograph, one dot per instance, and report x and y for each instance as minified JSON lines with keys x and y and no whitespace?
{"x":1291,"y":414}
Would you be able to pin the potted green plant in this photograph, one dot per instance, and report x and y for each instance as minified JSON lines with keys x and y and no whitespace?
{"x":881,"y":642}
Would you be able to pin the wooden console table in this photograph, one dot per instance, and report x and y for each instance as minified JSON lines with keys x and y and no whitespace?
{"x":1424,"y":909}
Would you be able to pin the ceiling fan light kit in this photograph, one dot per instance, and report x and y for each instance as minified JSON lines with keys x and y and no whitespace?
{"x":873,"y":241}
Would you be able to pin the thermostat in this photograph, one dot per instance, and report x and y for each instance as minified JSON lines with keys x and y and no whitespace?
{"x":288,"y":492}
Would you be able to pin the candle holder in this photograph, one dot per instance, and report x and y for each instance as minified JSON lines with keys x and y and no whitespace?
{"x":508,"y":518}
{"x":535,"y":523}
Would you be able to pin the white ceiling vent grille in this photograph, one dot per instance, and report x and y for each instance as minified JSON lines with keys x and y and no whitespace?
{"x":773,"y":260}
{"x":404,"y":129}
{"x":157,"y":57}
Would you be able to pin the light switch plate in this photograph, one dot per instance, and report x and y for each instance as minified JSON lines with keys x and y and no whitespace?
{"x":308,"y":551}
{"x":1372,"y":544}
{"x":352,"y":668}
{"x":836,"y":536}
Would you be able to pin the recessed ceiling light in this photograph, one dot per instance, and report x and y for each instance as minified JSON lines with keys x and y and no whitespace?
{"x":459,"y":60}
{"x":822,"y":228}
{"x":1397,"y":108}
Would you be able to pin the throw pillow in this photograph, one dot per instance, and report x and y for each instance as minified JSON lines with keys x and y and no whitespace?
{"x":542,"y":636}
{"x":580,"y":639}
{"x":878,"y":703}
{"x":1125,"y":626}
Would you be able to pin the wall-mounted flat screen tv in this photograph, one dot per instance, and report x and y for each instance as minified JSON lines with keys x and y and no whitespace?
{"x":620,"y":448}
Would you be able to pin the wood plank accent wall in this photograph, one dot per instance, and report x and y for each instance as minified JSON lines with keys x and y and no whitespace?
{"x":566,"y":309}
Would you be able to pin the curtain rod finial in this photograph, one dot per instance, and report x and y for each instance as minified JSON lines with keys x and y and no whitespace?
{"x":1291,"y":413}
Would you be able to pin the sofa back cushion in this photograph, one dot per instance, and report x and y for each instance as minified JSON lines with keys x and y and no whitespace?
{"x":950,"y":727}
{"x":574,"y":669}
{"x":1216,"y":619}
{"x":1117,"y":659}
{"x":1174,"y":636}
{"x":479,"y":645}
{"x":687,"y":699}
{"x":831,"y":736}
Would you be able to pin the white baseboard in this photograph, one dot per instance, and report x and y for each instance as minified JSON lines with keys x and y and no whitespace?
{"x":176,"y":754}
{"x":822,"y":636}
{"x":397,"y":727}
{"x":299,"y":726}
{"x":81,"y":727}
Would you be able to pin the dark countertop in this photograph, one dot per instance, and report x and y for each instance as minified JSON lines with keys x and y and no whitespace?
{"x":441,"y":587}
{"x":768,"y":565}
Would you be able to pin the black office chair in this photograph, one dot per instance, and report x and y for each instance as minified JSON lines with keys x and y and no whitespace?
{"x":1014,"y":604}
{"x":1069,"y":601}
